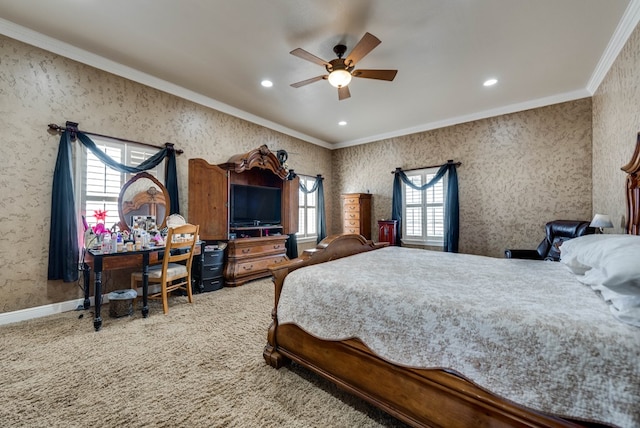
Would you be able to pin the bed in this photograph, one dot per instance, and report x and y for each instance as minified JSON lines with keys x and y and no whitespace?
{"x":383,"y":323}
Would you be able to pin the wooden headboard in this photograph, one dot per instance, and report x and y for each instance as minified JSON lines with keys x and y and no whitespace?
{"x":633,"y":191}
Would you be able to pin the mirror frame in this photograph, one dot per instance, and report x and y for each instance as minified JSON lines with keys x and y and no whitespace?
{"x":123,"y":221}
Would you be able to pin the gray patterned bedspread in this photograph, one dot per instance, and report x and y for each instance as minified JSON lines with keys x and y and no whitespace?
{"x":525,"y":330}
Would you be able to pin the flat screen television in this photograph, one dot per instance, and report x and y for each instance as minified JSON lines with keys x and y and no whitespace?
{"x":255,"y":205}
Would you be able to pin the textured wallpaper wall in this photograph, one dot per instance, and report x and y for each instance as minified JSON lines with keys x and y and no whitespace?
{"x":518,"y":172}
{"x":38,"y":88}
{"x":616,"y":123}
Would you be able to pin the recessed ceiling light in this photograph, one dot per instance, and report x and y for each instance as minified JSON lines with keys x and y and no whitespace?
{"x":342,"y":123}
{"x":490,"y":82}
{"x":267,"y":83}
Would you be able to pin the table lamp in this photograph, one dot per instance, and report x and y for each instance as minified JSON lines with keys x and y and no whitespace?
{"x":601,"y":221}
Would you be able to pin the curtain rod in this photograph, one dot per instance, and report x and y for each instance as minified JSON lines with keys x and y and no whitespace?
{"x":450,"y":161}
{"x":310,"y":176}
{"x":73,"y":128}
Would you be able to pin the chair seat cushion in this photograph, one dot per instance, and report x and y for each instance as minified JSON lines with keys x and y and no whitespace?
{"x":173,"y":269}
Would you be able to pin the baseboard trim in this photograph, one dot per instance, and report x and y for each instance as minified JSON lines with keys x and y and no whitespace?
{"x":42,"y":311}
{"x":57,"y":308}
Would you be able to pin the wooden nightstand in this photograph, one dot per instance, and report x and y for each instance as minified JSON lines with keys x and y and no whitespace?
{"x":388,"y":231}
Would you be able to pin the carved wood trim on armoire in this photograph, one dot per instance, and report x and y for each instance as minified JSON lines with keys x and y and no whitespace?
{"x":209,"y":191}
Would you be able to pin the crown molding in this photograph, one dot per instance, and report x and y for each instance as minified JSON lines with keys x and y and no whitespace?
{"x":625,"y":27}
{"x":623,"y":31}
{"x":513,"y":108}
{"x":50,"y":44}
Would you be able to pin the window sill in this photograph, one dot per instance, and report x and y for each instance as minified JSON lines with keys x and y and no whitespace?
{"x":436,"y":245}
{"x":307,"y":239}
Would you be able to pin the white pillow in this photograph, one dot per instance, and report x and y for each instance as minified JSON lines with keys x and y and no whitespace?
{"x":610,"y":264}
{"x":603,"y":259}
{"x":577,"y":253}
{"x":629,"y":316}
{"x":622,"y":297}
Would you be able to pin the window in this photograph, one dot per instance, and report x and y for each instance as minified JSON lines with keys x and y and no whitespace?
{"x":307,"y":211}
{"x":423,"y":210}
{"x":98,"y":186}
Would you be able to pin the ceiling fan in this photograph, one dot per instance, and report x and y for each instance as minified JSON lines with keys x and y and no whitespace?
{"x":342,"y":70}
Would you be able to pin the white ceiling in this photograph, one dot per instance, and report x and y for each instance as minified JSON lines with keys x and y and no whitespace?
{"x":216,"y":52}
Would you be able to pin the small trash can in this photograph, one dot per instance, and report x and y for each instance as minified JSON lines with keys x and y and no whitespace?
{"x":121,"y":303}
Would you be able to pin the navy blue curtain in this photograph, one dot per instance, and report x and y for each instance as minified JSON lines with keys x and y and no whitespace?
{"x":452,"y":210}
{"x":171,"y":181}
{"x":63,"y":238}
{"x":396,"y":204}
{"x":321,"y":222}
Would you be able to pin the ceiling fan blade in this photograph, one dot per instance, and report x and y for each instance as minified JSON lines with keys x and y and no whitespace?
{"x":301,"y":53}
{"x":306,"y":82}
{"x":343,"y":93}
{"x":363,"y":47}
{"x":375,"y":74}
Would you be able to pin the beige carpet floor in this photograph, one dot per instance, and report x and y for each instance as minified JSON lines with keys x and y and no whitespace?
{"x":199,"y":366}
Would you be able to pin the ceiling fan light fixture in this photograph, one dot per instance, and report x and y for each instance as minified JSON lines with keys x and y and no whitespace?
{"x":339,"y":78}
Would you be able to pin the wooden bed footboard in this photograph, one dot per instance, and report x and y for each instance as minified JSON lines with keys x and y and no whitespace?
{"x":418,"y":397}
{"x":331,"y":248}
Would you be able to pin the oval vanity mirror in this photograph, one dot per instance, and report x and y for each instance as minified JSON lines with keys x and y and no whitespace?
{"x":144,"y":201}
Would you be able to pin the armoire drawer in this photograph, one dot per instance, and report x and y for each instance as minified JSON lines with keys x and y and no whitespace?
{"x":259,"y":265}
{"x":267,"y":248}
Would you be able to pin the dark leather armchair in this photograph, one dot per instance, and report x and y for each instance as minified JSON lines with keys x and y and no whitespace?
{"x":557,"y":232}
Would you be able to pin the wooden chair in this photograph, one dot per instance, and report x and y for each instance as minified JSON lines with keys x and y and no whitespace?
{"x":171,"y":274}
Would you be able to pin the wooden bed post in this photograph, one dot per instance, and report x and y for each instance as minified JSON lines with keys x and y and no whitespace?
{"x":633,"y":191}
{"x":271,"y":355}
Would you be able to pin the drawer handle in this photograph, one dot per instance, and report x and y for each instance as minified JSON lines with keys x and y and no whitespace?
{"x":246,"y":250}
{"x":250,"y":267}
{"x":275,"y":247}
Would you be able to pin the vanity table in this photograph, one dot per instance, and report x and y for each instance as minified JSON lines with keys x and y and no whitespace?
{"x":99,"y":262}
{"x":142,"y":197}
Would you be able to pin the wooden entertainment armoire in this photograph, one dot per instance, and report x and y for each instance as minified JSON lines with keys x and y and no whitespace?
{"x":253,"y":249}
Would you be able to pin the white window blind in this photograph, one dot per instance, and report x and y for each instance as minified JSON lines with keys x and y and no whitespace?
{"x":423,"y":211}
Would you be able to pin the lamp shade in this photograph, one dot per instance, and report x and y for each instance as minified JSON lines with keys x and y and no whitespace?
{"x":339,"y":78}
{"x":601,"y":221}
